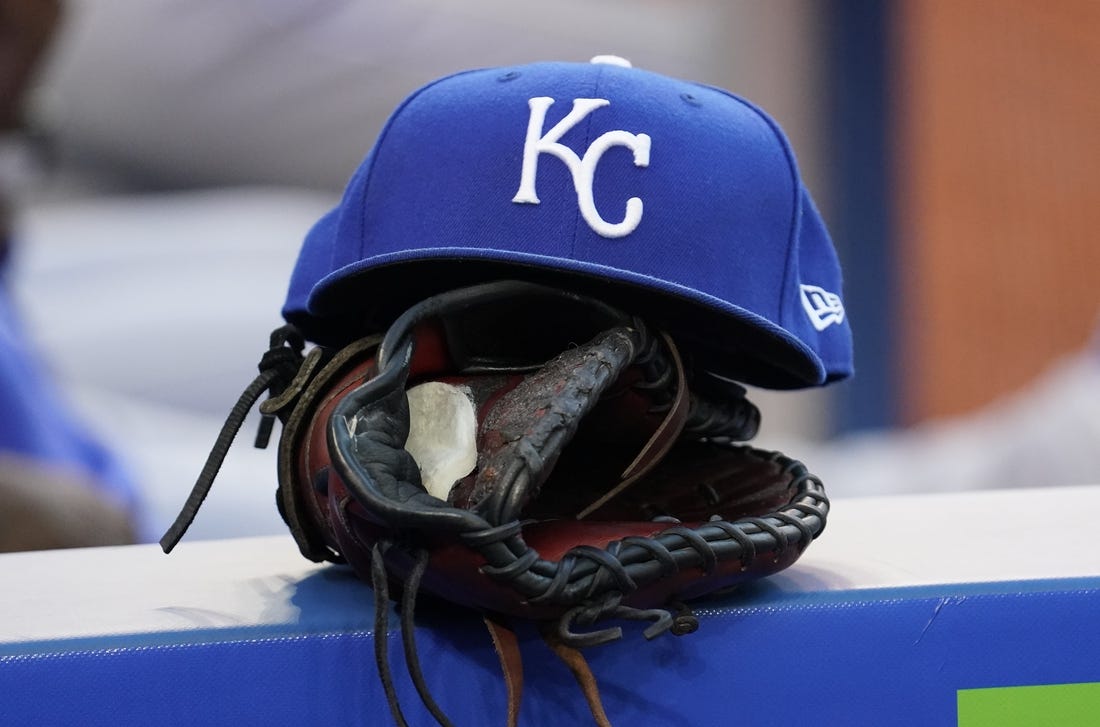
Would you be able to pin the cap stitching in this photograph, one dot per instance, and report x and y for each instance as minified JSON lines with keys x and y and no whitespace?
{"x":795,"y":223}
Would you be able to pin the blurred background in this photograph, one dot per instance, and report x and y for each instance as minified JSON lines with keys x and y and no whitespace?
{"x":175,"y":152}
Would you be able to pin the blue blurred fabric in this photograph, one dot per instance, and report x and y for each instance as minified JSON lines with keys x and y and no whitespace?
{"x":36,"y":423}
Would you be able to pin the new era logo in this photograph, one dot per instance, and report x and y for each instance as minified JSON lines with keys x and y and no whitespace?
{"x":823,"y":308}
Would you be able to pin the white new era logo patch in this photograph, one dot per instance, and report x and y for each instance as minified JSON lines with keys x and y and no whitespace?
{"x":823,"y":308}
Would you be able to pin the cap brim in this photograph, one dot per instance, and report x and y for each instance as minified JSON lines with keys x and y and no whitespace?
{"x":367,"y":295}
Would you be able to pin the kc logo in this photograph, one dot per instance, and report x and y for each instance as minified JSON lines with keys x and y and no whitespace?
{"x":583,"y":168}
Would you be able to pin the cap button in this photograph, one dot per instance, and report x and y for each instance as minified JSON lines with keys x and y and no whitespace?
{"x":612,"y":61}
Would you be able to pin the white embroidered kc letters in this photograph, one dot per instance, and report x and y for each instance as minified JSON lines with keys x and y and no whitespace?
{"x":583,"y":168}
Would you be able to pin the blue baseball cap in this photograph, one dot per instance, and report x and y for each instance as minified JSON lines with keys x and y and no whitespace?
{"x":673,"y":200}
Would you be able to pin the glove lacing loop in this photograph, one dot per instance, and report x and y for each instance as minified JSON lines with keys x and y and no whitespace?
{"x":609,"y":607}
{"x":590,"y":575}
{"x":600,"y":578}
{"x":278,"y":367}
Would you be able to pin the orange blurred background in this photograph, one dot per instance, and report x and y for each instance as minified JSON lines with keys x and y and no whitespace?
{"x":997,"y":165}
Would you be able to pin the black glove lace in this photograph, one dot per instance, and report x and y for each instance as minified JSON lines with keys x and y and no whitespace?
{"x":277,"y":369}
{"x":380,"y":584}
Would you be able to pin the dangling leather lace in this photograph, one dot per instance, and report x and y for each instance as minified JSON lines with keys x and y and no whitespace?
{"x":558,"y":637}
{"x":278,"y":368}
{"x":380,"y":585}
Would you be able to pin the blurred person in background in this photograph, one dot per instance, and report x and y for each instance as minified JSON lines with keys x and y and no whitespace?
{"x":59,"y":487}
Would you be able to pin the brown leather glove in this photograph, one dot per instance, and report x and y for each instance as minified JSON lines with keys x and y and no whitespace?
{"x":532,"y":453}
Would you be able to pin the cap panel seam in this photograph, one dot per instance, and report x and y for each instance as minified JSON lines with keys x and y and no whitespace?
{"x":795,"y":223}
{"x":796,"y":192}
{"x":380,"y":143}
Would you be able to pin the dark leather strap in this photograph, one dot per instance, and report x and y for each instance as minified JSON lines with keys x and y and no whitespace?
{"x":663,"y":438}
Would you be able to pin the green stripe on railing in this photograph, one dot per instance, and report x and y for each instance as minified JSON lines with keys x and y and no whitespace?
{"x":1064,"y":705}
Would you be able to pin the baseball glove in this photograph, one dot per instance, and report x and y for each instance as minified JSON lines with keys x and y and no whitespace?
{"x":530,"y":453}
